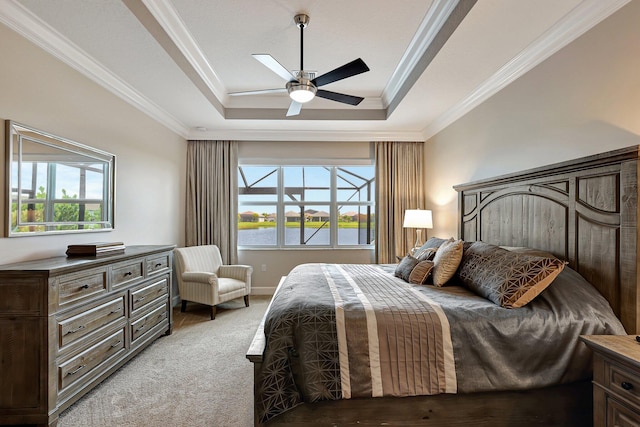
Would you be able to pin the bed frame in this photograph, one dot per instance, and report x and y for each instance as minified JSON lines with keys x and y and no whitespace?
{"x":584,"y":211}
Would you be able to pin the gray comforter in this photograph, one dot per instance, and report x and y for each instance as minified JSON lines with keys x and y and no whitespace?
{"x":337,"y":331}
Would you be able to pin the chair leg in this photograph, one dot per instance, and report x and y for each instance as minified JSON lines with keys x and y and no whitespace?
{"x":246,"y":300}
{"x":213,"y":312}
{"x":184,"y":306}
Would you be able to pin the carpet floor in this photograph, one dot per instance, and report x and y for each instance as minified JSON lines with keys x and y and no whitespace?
{"x":197,"y":376}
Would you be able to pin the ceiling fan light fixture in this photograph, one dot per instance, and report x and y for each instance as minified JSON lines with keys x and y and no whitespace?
{"x":302,"y":91}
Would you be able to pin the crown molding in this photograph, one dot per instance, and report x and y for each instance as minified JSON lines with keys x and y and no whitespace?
{"x":167,"y":16}
{"x":16,"y":17}
{"x":436,"y":17}
{"x":305,"y":135}
{"x":582,"y":18}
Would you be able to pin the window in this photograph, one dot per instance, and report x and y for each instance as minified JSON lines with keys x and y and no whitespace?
{"x":305,"y":206}
{"x":75,"y":200}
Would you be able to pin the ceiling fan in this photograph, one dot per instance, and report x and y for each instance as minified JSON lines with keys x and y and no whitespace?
{"x":303,"y":85}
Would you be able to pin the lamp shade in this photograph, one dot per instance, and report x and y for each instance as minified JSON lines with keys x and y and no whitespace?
{"x":417,"y":218}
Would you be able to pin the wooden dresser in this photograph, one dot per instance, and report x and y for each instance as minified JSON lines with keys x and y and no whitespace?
{"x":616,"y":380}
{"x":66,"y":324}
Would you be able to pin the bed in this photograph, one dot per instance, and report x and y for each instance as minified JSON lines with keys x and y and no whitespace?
{"x":583,"y":212}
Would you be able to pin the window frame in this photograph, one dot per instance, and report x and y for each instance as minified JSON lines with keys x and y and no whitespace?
{"x":283,"y":205}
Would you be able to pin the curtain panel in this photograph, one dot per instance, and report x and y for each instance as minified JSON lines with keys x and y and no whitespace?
{"x":212,"y":196}
{"x":400,"y":186}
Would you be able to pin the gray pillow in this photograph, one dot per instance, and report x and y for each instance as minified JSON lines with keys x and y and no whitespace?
{"x":404,"y":267}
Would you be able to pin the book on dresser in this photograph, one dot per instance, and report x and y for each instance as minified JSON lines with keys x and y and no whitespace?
{"x":95,"y":249}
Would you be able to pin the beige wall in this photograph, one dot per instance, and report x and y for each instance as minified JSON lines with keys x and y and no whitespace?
{"x":40,"y":91}
{"x":583,"y":100}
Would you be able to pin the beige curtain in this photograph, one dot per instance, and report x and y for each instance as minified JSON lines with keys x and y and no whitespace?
{"x":212,"y":196}
{"x":400,"y":186}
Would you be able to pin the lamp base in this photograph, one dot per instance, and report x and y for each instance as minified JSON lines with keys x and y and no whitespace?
{"x":418,"y":243}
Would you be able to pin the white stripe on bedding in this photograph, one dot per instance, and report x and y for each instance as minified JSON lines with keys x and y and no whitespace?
{"x":451,"y":381}
{"x":342,"y":336}
{"x":372,"y":332}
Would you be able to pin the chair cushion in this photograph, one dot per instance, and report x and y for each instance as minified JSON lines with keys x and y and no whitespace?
{"x":226,"y":285}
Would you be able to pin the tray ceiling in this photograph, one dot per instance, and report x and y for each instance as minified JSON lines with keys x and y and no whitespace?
{"x":177,"y":60}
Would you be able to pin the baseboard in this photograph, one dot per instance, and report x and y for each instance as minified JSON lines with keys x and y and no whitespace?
{"x":262,"y":290}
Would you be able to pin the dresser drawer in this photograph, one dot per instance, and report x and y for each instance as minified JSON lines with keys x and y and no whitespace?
{"x":146,"y":323}
{"x":91,"y":319}
{"x":623,"y":381}
{"x":158,"y":264}
{"x":149,"y":293}
{"x":77,"y":287}
{"x":79,"y":366}
{"x":125,"y":273}
{"x":620,"y":415}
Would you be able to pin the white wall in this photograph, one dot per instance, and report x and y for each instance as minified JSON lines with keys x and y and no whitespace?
{"x":40,"y":91}
{"x":583,"y":100}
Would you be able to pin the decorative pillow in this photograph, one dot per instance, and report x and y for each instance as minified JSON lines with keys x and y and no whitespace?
{"x":509,"y":279}
{"x":446,"y":261}
{"x":433,"y":243}
{"x":405,"y":266}
{"x":426,"y":254}
{"x":421,"y":272}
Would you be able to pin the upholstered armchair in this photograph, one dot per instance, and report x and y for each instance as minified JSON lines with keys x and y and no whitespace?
{"x":202,"y":278}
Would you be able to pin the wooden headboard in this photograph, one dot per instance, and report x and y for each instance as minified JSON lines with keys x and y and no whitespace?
{"x":584,"y":211}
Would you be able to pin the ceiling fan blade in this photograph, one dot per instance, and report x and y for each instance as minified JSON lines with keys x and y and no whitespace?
{"x":270,"y":62}
{"x":294,"y":109}
{"x":339,"y":97}
{"x":347,"y":70}
{"x":258,"y":92}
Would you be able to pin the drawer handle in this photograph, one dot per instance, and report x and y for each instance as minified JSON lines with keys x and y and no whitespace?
{"x":116,"y":310}
{"x":128,"y":273}
{"x":140,"y":299}
{"x":158,"y":265}
{"x":84,"y":287}
{"x":73,"y":331}
{"x":626,"y":385}
{"x":117,"y":344}
{"x":140,"y":328}
{"x":77,"y":370}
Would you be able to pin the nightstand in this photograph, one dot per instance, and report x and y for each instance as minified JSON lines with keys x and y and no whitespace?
{"x":616,"y":379}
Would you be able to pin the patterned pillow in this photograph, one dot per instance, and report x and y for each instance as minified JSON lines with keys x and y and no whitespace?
{"x":446,"y":261}
{"x":506,"y":278}
{"x":420,"y":272}
{"x":405,"y":266}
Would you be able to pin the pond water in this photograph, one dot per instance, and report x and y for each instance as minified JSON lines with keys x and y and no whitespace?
{"x":267,"y":236}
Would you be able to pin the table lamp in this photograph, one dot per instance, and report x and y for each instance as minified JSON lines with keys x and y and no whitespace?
{"x":418,"y":219}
